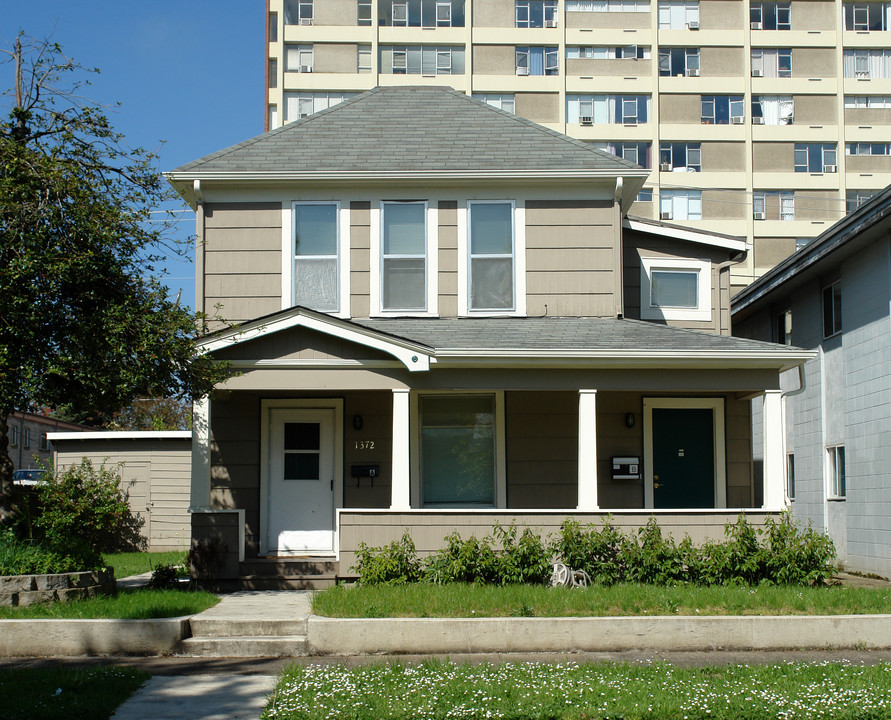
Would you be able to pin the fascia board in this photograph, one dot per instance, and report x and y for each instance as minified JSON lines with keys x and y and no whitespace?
{"x":122,"y":435}
{"x":700,"y":237}
{"x":413,"y":356}
{"x":411,"y":175}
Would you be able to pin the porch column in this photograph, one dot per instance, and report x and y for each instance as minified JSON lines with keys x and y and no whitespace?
{"x":199,"y":496}
{"x":587,"y":450}
{"x":400,"y":498}
{"x":774,"y":462}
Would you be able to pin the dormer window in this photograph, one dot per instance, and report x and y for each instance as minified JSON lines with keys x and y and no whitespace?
{"x":675,"y":289}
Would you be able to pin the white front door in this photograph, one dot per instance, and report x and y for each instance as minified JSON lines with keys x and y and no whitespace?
{"x":300,"y":490}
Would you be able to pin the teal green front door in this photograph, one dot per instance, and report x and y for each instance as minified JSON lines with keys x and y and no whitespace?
{"x":683,"y":457}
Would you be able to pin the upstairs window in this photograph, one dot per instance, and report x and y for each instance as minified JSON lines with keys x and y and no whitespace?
{"x":867,"y":16}
{"x":502,"y":101}
{"x":679,"y":61}
{"x":772,"y":62}
{"x":863,"y":148}
{"x":404,"y":256}
{"x":832,"y":309}
{"x":835,"y":466}
{"x":421,"y":13}
{"x":680,"y":157}
{"x":298,"y":12}
{"x":26,"y":438}
{"x":14,"y":436}
{"x":816,"y":157}
{"x":536,"y":13}
{"x":607,"y":6}
{"x":491,"y":243}
{"x":636,"y":152}
{"x":867,"y":64}
{"x":722,"y":109}
{"x":316,"y":256}
{"x":773,"y":205}
{"x":783,"y":331}
{"x":680,"y":204}
{"x":879,"y":102}
{"x":773,"y":110}
{"x":589,"y":52}
{"x":607,"y":109}
{"x":364,"y":13}
{"x":679,"y":14}
{"x":675,"y":289}
{"x":303,"y":104}
{"x":363,"y":58}
{"x":298,"y":58}
{"x":855,"y":198}
{"x":532,"y":60}
{"x":770,"y":15}
{"x":44,"y":441}
{"x":422,"y":60}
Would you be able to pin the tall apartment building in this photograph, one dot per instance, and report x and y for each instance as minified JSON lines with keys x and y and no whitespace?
{"x":760,"y":119}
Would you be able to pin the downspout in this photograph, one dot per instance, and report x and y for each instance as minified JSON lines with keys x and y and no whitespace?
{"x":722,"y":267}
{"x":618,"y":264}
{"x":199,"y":246}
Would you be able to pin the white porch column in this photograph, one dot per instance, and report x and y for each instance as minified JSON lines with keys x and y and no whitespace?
{"x":774,"y":462}
{"x":400,"y":498}
{"x":587,"y":450}
{"x":199,"y":497}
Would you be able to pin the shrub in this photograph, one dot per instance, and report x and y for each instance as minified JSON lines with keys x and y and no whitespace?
{"x":794,"y":557}
{"x":655,"y":559}
{"x":523,"y":560}
{"x":469,"y":561}
{"x":602,"y":553}
{"x":393,"y":564}
{"x":84,"y":512}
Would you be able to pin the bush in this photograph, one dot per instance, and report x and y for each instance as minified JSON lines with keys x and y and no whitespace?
{"x":523,"y":560}
{"x":393,"y":564}
{"x":31,"y":558}
{"x":84,"y":512}
{"x":603,"y":553}
{"x":657,"y":560}
{"x":468,"y":561}
{"x":794,"y":557}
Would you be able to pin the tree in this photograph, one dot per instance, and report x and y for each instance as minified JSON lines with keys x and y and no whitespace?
{"x":85,"y":324}
{"x":154,"y":414}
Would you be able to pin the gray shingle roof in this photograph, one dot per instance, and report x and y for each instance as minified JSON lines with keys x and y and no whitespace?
{"x":409,"y":128}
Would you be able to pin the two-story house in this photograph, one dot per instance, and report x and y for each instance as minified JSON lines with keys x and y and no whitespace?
{"x":441,"y":318}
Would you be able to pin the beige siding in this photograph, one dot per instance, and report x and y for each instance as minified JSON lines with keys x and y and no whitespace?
{"x":494,"y":13}
{"x":376,"y":411}
{"x":773,"y":157}
{"x":813,"y":62}
{"x":813,"y":15}
{"x":868,"y":163}
{"x":818,"y":205}
{"x":335,"y":58}
{"x":335,"y":12}
{"x":721,"y":61}
{"x":867,"y":116}
{"x":630,"y":20}
{"x":448,"y":258}
{"x":623,"y":67}
{"x":538,"y":107}
{"x":719,"y":156}
{"x":721,"y":204}
{"x":768,"y":251}
{"x":570,"y":251}
{"x":300,"y":344}
{"x":721,"y":14}
{"x":815,"y":109}
{"x":242,"y":260}
{"x":494,"y":59}
{"x":680,"y":109}
{"x":360,"y":262}
{"x":615,"y":439}
{"x":738,"y":418}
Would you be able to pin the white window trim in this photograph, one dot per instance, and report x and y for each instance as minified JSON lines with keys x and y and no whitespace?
{"x":704,"y":270}
{"x":343,"y":254}
{"x":431,"y":264}
{"x":519,"y":222}
{"x":500,"y":446}
{"x":715,"y":404}
{"x":831,"y":458}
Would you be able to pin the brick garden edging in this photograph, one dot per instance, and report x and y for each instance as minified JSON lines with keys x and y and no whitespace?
{"x":21,"y":590}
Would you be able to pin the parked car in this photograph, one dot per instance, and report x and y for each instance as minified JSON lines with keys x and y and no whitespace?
{"x":31,"y":476}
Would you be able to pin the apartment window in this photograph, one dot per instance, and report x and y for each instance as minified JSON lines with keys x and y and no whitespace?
{"x":772,"y":62}
{"x":773,"y":205}
{"x":364,"y":13}
{"x":815,"y":157}
{"x":832,"y":316}
{"x":881,"y":102}
{"x":44,"y":442}
{"x":855,"y":198}
{"x":458,"y":450}
{"x":607,"y":6}
{"x":783,"y":334}
{"x":273,"y":73}
{"x":679,"y":14}
{"x":606,"y":109}
{"x":645,"y":195}
{"x":679,"y":61}
{"x":680,"y":204}
{"x":303,"y":104}
{"x":636,"y":152}
{"x":862,"y":148}
{"x":298,"y":58}
{"x":13,"y":436}
{"x":498,"y":100}
{"x":273,"y":27}
{"x":421,"y":13}
{"x":867,"y":16}
{"x":273,"y":117}
{"x":316,"y":256}
{"x":537,"y":60}
{"x":404,"y":256}
{"x":491,"y":243}
{"x":675,"y":289}
{"x":589,"y":52}
{"x":770,"y":15}
{"x":298,"y":12}
{"x":536,"y":13}
{"x":680,"y":157}
{"x":835,"y":462}
{"x":773,"y":110}
{"x":26,"y":438}
{"x":790,"y":476}
{"x":722,"y":109}
{"x":422,"y":60}
{"x":363,"y":58}
{"x":867,"y":64}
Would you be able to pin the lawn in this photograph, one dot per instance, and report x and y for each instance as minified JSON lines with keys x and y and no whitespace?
{"x":66,"y":693}
{"x":572,"y":691}
{"x":126,"y":605}
{"x":456,"y":600}
{"x":136,"y":563}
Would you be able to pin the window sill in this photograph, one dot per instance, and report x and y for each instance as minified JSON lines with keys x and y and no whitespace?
{"x":835,"y":498}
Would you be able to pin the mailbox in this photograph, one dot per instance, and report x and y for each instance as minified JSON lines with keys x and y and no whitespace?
{"x":626,"y":468}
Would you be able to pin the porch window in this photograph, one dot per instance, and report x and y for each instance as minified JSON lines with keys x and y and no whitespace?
{"x":404,"y":260}
{"x":316,"y":255}
{"x":491,"y":244}
{"x":458,"y":450}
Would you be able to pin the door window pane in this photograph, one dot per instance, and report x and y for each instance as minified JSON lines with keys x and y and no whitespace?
{"x":302,"y":446}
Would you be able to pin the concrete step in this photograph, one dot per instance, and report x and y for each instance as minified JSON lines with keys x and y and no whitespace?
{"x":223,"y":627}
{"x":289,"y":567}
{"x":271,"y":582}
{"x":244,"y":646}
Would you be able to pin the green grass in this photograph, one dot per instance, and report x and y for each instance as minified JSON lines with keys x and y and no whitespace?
{"x":428,"y":600}
{"x":568,"y":690}
{"x":126,"y":605}
{"x":136,"y":563}
{"x":65,"y":693}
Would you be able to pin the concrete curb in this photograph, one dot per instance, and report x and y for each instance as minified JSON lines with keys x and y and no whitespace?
{"x":72,"y":638}
{"x":331,"y":636}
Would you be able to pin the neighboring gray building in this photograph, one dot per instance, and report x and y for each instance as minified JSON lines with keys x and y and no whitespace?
{"x":834,"y":296}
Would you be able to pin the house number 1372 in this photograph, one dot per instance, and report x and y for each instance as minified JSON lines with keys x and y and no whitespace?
{"x":364,"y":444}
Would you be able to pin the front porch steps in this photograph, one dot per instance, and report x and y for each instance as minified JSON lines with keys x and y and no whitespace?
{"x":289,"y":573}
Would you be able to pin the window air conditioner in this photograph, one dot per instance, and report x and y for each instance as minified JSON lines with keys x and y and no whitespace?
{"x":665,"y":167}
{"x":757,"y":121}
{"x":755,"y":25}
{"x":830,"y":168}
{"x":693,"y":25}
{"x":757,"y":73}
{"x":760,"y":215}
{"x":737,"y":120}
{"x":302,"y":115}
{"x":306,"y":21}
{"x":692,"y":72}
{"x":550,"y":23}
{"x":586,"y":120}
{"x":665,"y":215}
{"x":522,"y":71}
{"x":306,"y":68}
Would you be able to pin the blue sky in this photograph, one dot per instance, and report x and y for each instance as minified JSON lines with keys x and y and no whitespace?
{"x":189,"y":73}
